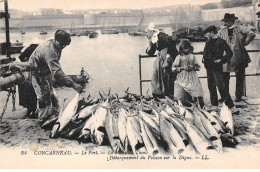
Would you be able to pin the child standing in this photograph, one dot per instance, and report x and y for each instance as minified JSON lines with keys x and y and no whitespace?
{"x":186,"y":66}
{"x":214,"y":59}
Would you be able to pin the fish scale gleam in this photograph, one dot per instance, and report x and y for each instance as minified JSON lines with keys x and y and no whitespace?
{"x":86,"y":112}
{"x":122,"y":120}
{"x":99,"y":122}
{"x":152,"y":127}
{"x":66,"y":115}
{"x":227,"y":118}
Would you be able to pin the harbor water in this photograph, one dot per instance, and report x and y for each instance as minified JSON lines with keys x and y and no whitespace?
{"x":112,"y":61}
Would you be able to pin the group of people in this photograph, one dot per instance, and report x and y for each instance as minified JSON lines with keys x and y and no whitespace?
{"x":224,"y":52}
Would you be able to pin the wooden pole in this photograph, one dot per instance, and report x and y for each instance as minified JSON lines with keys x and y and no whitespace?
{"x":8,"y":44}
{"x":140,"y":74}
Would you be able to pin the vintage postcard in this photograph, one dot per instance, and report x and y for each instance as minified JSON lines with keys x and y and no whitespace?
{"x":121,"y":84}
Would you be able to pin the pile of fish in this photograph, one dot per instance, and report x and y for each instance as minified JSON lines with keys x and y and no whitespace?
{"x":140,"y":124}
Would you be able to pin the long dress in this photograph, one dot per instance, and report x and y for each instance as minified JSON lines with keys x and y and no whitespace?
{"x":188,"y":81}
{"x":163,"y":78}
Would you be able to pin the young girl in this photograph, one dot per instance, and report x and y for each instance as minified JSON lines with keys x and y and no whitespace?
{"x":186,"y":66}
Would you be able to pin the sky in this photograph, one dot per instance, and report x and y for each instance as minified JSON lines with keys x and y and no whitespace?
{"x":33,"y":5}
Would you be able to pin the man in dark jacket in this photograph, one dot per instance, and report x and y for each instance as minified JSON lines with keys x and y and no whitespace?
{"x":213,"y":60}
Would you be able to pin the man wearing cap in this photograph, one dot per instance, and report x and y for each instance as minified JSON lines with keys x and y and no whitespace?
{"x":162,"y":78}
{"x":44,"y":62}
{"x":237,"y":37}
{"x":213,"y":60}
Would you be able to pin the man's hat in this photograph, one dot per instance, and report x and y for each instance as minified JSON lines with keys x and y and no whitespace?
{"x":229,"y":17}
{"x":210,"y":28}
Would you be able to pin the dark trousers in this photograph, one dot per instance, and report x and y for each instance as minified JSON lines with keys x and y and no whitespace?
{"x":215,"y":79}
{"x":27,"y":97}
{"x":240,"y":79}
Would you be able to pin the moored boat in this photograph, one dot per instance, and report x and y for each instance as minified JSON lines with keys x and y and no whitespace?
{"x":137,"y":33}
{"x":123,"y":30}
{"x":93,"y":34}
{"x":84,"y":32}
{"x":72,"y":33}
{"x":194,"y":34}
{"x":14,"y":49}
{"x":43,"y":32}
{"x":109,"y":31}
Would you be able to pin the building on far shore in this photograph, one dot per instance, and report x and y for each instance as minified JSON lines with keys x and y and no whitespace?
{"x":56,"y":18}
{"x":245,"y":14}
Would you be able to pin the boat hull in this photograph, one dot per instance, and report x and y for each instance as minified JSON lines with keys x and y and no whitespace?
{"x":93,"y":35}
{"x":14,"y":49}
{"x":43,"y":33}
{"x":123,"y":30}
{"x":137,"y":33}
{"x":109,"y":31}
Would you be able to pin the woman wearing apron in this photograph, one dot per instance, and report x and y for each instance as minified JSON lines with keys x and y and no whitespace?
{"x":162,"y":78}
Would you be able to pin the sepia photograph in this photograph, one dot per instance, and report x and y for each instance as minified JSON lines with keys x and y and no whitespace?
{"x":129,"y":84}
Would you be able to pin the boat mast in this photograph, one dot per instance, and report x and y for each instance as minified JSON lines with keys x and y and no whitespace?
{"x":94,"y":20}
{"x":124,"y":20}
{"x":141,"y":21}
{"x":189,"y":18}
{"x":104,"y":19}
{"x":109,"y":22}
{"x":176,"y":21}
{"x":118,"y":20}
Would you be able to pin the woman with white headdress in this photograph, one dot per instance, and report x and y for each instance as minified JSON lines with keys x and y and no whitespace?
{"x":162,"y":78}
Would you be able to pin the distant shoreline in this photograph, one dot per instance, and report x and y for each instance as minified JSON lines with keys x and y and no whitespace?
{"x":79,"y":27}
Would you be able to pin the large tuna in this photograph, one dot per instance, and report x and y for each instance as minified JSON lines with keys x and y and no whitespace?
{"x":133,"y":131}
{"x":65,"y":116}
{"x":85,"y":134}
{"x":149,"y":139}
{"x":226,"y":117}
{"x":150,"y":119}
{"x":200,"y":142}
{"x":122,"y":120}
{"x":112,"y":133}
{"x":99,"y":122}
{"x":85,"y":112}
{"x":171,"y":136}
